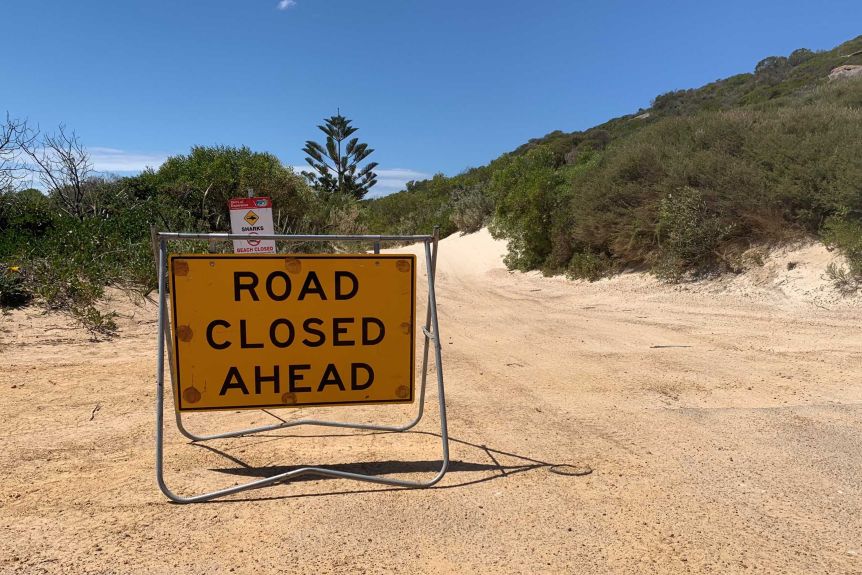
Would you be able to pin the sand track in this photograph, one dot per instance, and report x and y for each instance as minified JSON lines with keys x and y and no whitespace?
{"x":722,"y":421}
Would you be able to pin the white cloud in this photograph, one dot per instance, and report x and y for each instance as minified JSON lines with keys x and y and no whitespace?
{"x":389,"y":180}
{"x":285,"y":4}
{"x":114,"y":160}
{"x":103,"y":161}
{"x":394,"y":180}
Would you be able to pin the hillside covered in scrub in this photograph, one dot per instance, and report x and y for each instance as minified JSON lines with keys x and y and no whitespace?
{"x":683,"y":188}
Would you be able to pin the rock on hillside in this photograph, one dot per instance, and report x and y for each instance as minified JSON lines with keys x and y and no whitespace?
{"x":847,"y":71}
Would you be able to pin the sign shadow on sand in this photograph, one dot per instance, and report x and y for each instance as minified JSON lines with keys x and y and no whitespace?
{"x":491,"y":467}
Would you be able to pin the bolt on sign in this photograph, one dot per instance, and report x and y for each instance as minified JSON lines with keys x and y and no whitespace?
{"x":252,"y":216}
{"x":268,"y":331}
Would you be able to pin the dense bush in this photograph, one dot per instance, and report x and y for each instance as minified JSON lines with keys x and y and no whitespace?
{"x":757,"y":175}
{"x":589,"y":266}
{"x":846,"y":235}
{"x":688,"y":233}
{"x":202,"y":182}
{"x":66,"y":262}
{"x":13,"y":291}
{"x":526,"y":191}
{"x":472,"y":208}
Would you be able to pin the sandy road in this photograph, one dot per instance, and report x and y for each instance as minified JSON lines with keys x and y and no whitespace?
{"x":723,"y":426}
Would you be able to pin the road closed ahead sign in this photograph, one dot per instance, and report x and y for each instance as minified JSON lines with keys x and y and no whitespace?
{"x":280,"y":331}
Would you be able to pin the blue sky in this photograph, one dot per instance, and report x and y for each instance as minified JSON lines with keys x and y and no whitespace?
{"x":433,"y":86}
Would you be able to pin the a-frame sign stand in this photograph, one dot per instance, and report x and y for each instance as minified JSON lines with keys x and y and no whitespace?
{"x":431,"y":338}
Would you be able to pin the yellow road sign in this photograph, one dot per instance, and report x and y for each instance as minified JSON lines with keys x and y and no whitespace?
{"x":251,"y":218}
{"x":253,"y":331}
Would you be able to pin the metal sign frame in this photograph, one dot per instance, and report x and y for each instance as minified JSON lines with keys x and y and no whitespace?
{"x":430,"y":331}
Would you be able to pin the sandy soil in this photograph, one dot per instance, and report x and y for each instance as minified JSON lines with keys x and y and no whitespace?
{"x":721,"y":420}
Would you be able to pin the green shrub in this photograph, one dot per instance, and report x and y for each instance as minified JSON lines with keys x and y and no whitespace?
{"x":203,"y":181}
{"x":689,"y":234}
{"x":800,"y":56}
{"x":845,"y":235}
{"x":842,"y":278}
{"x":13,"y":291}
{"x":589,"y":266}
{"x":526,"y":192}
{"x":472,"y":208}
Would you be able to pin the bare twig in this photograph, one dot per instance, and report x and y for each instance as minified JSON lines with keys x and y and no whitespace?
{"x":11,"y":169}
{"x":62,"y":164}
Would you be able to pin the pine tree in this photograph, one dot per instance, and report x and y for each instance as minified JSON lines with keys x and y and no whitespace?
{"x":335,"y":164}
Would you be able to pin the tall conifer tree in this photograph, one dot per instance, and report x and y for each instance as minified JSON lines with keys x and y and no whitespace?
{"x":336,"y":163}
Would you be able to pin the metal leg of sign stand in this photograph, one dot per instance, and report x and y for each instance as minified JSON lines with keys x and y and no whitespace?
{"x":430,"y":331}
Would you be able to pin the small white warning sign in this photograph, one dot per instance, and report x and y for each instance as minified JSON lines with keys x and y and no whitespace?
{"x":252,"y":217}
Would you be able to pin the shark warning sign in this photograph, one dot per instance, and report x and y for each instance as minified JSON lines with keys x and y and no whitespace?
{"x":252,"y":217}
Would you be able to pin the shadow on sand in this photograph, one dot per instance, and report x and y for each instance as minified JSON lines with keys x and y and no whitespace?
{"x":493,"y":464}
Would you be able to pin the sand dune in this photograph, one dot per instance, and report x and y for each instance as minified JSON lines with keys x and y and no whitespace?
{"x":791,"y":275}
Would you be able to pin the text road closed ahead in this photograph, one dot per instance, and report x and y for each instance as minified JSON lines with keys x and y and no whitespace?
{"x":279,"y":331}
